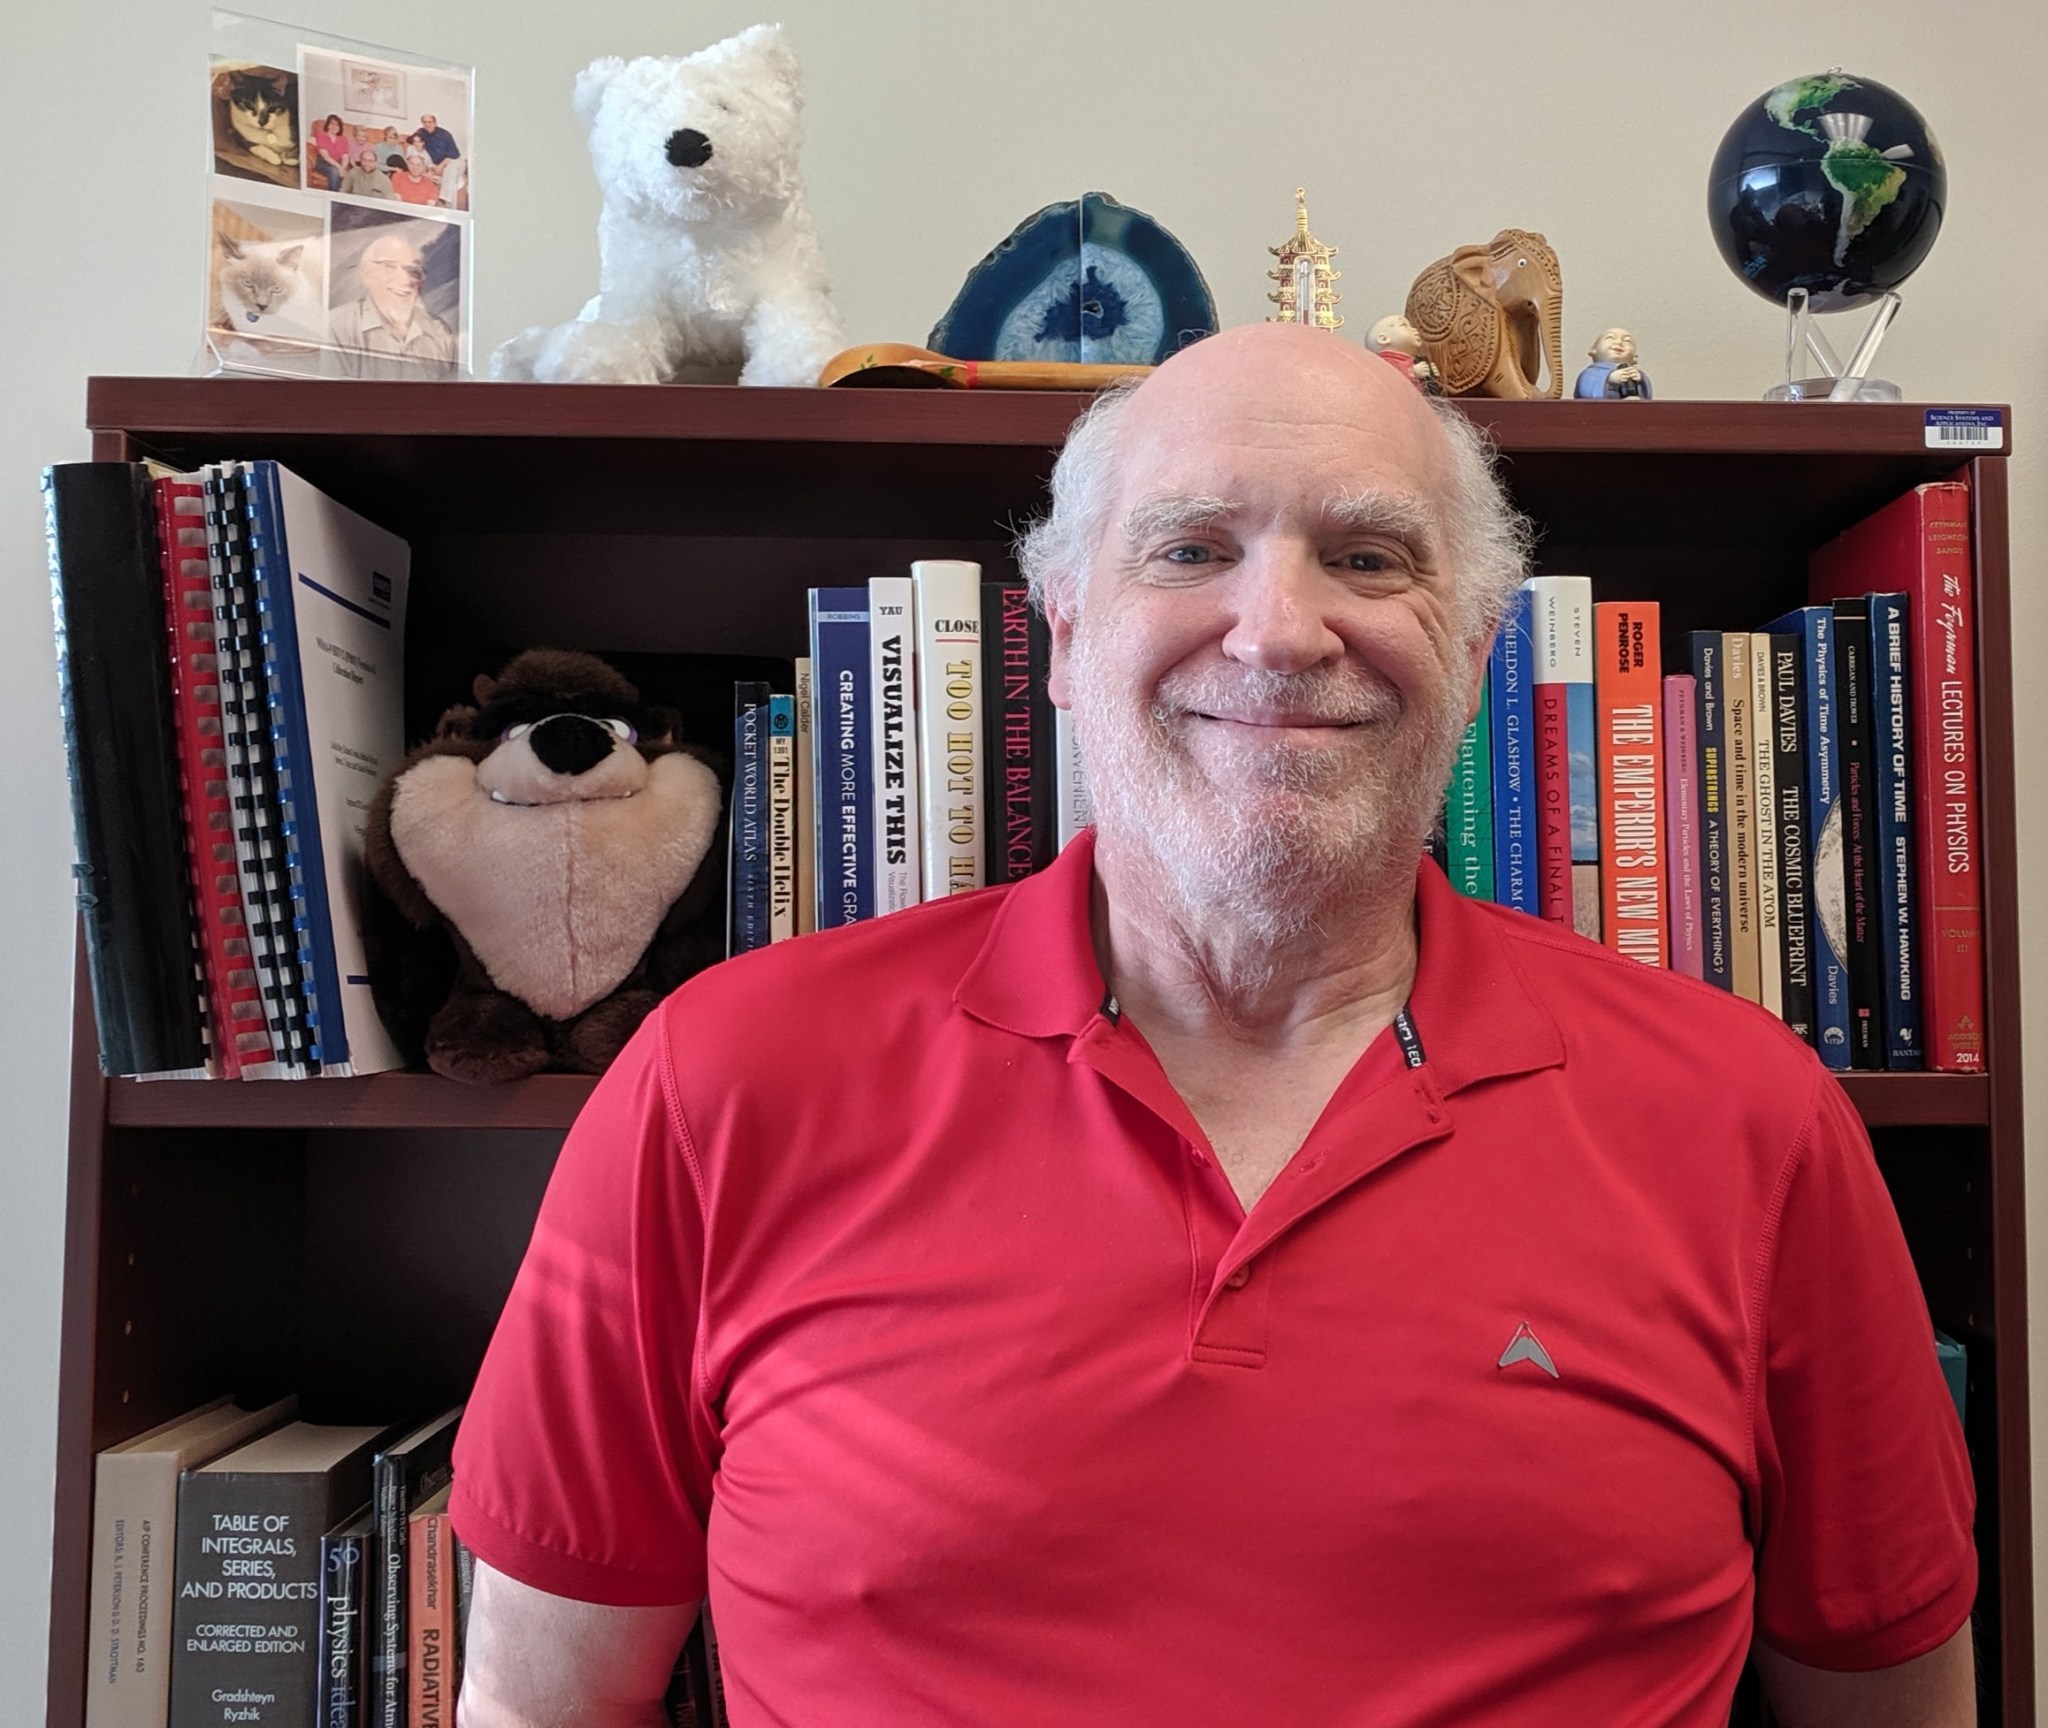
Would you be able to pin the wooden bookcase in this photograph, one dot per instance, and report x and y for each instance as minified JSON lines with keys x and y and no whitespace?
{"x":352,"y":1240}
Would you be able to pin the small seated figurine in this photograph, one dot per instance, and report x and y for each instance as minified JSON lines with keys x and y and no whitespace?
{"x":1615,"y":375}
{"x":1399,"y":343}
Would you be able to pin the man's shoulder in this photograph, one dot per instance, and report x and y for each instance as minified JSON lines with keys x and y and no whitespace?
{"x":858,"y":981}
{"x":1623,"y":1011}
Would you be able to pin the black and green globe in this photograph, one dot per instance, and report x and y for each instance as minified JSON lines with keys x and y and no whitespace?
{"x":1832,"y":184}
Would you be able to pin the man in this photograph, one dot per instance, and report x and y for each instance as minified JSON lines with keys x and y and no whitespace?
{"x":438,"y":141}
{"x":388,"y":332}
{"x":1227,"y":1278}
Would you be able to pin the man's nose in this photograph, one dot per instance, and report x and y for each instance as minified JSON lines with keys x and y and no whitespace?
{"x":1279,"y":600}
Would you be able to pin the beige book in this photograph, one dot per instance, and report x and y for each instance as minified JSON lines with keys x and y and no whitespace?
{"x":1738,"y":793}
{"x":134,"y":1556}
{"x":1770,"y":960}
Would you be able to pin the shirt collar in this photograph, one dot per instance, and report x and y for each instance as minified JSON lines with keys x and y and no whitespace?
{"x":1037,"y":975}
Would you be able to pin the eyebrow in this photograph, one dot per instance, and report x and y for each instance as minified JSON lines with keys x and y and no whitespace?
{"x":1401,"y":514}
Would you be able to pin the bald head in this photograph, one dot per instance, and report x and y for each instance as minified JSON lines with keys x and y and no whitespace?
{"x":1270,"y":383}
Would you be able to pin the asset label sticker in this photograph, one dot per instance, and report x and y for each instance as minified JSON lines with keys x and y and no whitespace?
{"x":1965,"y":429}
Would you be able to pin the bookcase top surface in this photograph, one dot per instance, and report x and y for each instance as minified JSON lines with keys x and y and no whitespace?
{"x":349,"y":409}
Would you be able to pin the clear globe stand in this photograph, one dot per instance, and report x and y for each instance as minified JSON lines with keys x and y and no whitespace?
{"x":1806,"y":348}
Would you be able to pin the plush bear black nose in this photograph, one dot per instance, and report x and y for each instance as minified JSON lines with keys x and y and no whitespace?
{"x":688,"y":148}
{"x":570,"y":744}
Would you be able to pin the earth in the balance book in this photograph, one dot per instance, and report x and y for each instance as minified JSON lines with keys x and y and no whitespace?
{"x":1832,"y":184}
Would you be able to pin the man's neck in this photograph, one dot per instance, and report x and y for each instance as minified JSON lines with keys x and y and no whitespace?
{"x":1200,"y":972}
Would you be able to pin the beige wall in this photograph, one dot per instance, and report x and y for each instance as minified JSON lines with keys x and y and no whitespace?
{"x":933,"y":129}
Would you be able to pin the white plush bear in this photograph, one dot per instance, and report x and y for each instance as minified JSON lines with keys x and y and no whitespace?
{"x":707,"y":258}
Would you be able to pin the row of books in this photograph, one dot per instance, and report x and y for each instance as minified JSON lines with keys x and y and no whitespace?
{"x":230,"y":651}
{"x":251,"y":1567}
{"x":1792,"y":818}
{"x":916,"y":756}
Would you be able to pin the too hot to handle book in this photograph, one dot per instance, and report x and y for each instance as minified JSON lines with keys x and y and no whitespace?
{"x":114,"y":696}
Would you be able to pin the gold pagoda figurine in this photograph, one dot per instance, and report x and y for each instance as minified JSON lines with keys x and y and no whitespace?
{"x":1308,"y":282}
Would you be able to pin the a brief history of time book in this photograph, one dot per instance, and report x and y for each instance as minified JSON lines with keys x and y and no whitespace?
{"x":1919,"y":544}
{"x":246,"y":1634}
{"x":843,"y":728}
{"x":1862,"y":913}
{"x":892,"y":690}
{"x":134,"y":1556}
{"x":1738,"y":763}
{"x":347,"y":1561}
{"x":1710,"y":728}
{"x":949,"y":713}
{"x":113,"y":687}
{"x":1509,"y":695}
{"x":1898,"y":813}
{"x":1629,"y":702}
{"x":406,"y":1473}
{"x":332,"y":589}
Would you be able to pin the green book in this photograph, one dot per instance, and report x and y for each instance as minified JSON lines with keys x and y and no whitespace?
{"x":1468,"y":807}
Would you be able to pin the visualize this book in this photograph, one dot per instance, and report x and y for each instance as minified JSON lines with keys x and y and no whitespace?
{"x":892,"y":686}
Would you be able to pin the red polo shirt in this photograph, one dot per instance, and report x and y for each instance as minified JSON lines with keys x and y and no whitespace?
{"x":887,"y":1291}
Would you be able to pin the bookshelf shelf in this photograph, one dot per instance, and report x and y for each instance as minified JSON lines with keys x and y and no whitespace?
{"x":551,"y":1101}
{"x":353,"y":1239}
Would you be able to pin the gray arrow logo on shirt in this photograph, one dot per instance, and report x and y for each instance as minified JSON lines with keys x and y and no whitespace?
{"x":1525,"y":1346}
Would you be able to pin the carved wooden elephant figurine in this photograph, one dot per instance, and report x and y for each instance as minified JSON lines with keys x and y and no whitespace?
{"x":1482,"y":312}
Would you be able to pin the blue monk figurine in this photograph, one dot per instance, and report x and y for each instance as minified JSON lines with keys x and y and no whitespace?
{"x":1615,"y":375}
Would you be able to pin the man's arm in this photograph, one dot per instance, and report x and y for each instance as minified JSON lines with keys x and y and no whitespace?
{"x":531,"y":1660}
{"x":1938,"y":1690}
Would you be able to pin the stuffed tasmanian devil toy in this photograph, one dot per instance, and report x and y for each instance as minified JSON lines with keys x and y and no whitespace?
{"x":551,"y":858}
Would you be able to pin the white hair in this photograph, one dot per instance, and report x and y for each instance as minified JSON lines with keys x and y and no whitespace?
{"x":1487,"y":541}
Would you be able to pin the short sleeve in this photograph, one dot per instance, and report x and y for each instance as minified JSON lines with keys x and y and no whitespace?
{"x":579,"y":1465}
{"x":1864,"y":1553}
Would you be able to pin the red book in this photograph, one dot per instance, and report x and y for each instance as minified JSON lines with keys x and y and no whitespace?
{"x":1919,"y":544}
{"x":202,"y":769}
{"x":1628,"y":705}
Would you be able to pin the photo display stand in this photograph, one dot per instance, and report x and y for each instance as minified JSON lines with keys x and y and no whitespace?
{"x":338,"y":207}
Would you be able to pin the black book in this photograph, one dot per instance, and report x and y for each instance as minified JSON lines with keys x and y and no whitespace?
{"x":120,"y":746}
{"x":1861,"y":871}
{"x":347,"y":1558}
{"x":1017,"y":806}
{"x":406,"y":1474}
{"x":1786,"y":724}
{"x":246,"y":1629}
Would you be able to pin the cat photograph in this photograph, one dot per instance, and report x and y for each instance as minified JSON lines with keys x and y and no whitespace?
{"x":267,"y":291}
{"x":256,"y":122}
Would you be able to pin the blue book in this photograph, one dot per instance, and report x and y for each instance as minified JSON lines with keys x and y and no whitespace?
{"x":1891,"y":727}
{"x":1514,"y":786}
{"x":842,"y":736}
{"x":292,"y":753}
{"x":747,"y":925}
{"x":1710,"y":720}
{"x":1827,"y":898}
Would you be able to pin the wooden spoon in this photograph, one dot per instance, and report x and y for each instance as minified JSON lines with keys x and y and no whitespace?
{"x":899,"y":365}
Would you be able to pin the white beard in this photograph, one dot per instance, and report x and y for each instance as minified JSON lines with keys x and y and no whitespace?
{"x":1269,"y":857}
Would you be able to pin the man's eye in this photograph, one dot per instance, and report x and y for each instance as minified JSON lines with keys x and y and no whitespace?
{"x":1370,"y":562}
{"x":1187,"y":555}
